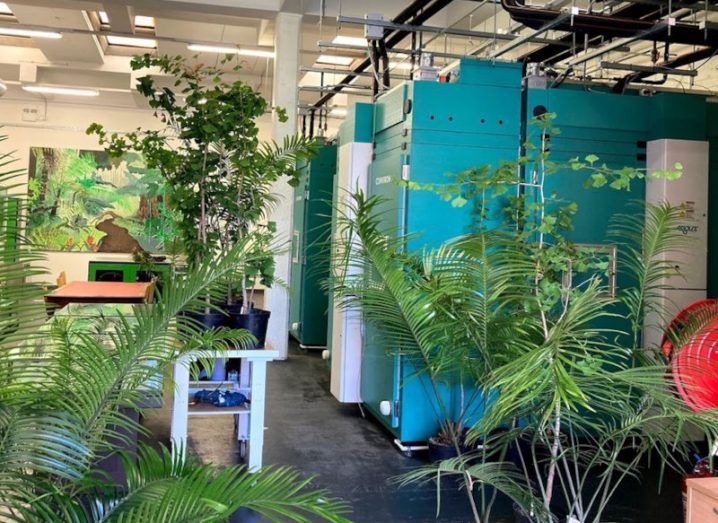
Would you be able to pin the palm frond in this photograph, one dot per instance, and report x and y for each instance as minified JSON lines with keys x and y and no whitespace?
{"x":163,"y":488}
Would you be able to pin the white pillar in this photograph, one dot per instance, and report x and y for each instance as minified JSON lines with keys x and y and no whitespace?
{"x":287,"y":33}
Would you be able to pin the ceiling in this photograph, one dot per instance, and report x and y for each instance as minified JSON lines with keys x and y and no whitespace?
{"x":89,"y":54}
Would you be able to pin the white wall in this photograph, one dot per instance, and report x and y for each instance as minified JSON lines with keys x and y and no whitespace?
{"x":64,"y":126}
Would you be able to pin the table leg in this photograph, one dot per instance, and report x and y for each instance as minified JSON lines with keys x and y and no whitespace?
{"x":256,"y":416}
{"x":245,"y":382}
{"x":180,"y":408}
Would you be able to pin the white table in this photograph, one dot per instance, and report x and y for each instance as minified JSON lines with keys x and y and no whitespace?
{"x":249,"y":418}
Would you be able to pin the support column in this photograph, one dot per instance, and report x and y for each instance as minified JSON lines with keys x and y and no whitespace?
{"x":287,"y":33}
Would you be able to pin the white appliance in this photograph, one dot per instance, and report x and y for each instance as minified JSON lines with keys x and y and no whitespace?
{"x":346,"y":337}
{"x":691,"y":192}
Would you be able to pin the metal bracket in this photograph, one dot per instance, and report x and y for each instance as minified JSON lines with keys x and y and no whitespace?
{"x":611,"y":252}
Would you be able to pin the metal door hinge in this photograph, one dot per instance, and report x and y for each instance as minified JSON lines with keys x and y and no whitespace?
{"x":306,"y":194}
{"x":405,"y":172}
{"x":396,"y":408}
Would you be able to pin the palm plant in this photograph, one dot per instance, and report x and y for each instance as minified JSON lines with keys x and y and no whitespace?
{"x":63,"y":397}
{"x":527,"y":314}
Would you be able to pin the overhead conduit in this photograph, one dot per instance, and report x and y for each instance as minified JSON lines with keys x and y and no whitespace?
{"x":416,"y":13}
{"x":611,"y":26}
{"x":629,"y":21}
{"x":553,"y":53}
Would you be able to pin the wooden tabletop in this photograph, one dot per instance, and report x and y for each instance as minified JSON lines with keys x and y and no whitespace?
{"x":99,"y":292}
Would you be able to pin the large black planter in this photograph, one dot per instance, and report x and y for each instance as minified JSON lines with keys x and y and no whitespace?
{"x":439,"y":451}
{"x":255,"y":321}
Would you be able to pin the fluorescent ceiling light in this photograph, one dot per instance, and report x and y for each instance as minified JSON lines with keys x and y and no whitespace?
{"x":69,"y":91}
{"x":405,"y":66}
{"x":349,"y":40}
{"x":200,"y":48}
{"x":334,"y":59}
{"x":11,"y":31}
{"x":127,"y":41}
{"x":339,"y":112}
{"x":140,"y":21}
{"x":145,"y":21}
{"x":4,"y":9}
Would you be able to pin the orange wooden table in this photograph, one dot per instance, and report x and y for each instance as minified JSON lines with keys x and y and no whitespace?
{"x":101,"y":292}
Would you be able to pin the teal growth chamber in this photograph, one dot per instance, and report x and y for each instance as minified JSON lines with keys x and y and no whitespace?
{"x":311,"y":225}
{"x":424,"y":131}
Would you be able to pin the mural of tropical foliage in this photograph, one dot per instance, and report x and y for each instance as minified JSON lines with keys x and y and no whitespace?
{"x":86,"y":201}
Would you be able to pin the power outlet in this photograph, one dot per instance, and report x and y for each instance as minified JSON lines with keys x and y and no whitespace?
{"x":33,"y":113}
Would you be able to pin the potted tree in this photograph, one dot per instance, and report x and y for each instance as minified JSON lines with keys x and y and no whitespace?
{"x":219,"y":174}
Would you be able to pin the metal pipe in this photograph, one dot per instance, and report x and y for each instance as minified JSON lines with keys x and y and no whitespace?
{"x":686,"y":59}
{"x":659,"y":27}
{"x":532,"y":37}
{"x":332,"y":89}
{"x":439,"y":30}
{"x":551,"y":54}
{"x":648,"y":69}
{"x":315,"y":69}
{"x":394,"y":50}
{"x":610,"y":26}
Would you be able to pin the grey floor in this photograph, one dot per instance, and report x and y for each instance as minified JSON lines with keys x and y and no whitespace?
{"x":354,"y":457}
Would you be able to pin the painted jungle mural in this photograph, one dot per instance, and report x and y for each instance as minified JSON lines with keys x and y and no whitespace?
{"x":86,"y":201}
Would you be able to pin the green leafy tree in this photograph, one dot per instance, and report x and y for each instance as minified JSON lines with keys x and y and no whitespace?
{"x":219,"y":174}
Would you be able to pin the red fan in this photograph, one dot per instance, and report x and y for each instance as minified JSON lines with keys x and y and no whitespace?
{"x":695,"y":365}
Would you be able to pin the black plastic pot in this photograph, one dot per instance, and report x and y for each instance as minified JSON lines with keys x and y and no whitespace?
{"x":213,"y":320}
{"x":255,"y":321}
{"x":210,"y":320}
{"x":439,"y":451}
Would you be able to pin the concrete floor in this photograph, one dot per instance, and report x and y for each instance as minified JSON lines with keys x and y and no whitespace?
{"x":354,"y":457}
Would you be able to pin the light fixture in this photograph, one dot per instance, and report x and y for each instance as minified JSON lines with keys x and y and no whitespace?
{"x":333,"y":59}
{"x":51,"y":89}
{"x":128,"y":41}
{"x":4,"y":9}
{"x":148,"y":22}
{"x":404,"y":66}
{"x":349,"y":40}
{"x":338,"y":112}
{"x":11,"y":31}
{"x":201,"y":48}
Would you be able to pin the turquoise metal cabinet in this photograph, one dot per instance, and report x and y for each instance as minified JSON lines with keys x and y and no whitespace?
{"x":422,"y":132}
{"x":310,"y":248}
